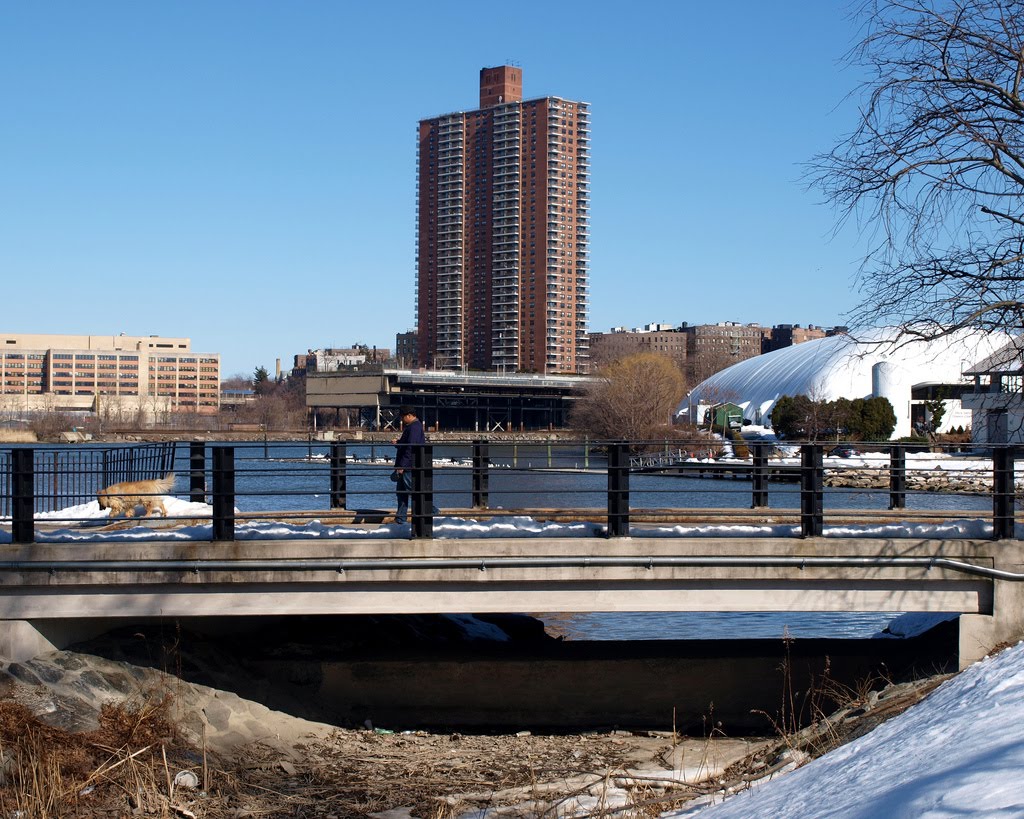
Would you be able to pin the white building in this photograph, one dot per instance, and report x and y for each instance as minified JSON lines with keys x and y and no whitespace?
{"x":874,"y":363}
{"x":997,"y":397}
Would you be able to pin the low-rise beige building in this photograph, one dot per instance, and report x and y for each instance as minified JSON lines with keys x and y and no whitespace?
{"x":146,"y":375}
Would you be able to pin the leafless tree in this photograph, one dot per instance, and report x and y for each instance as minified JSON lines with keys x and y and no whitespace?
{"x":704,"y":364}
{"x":238,"y":381}
{"x":281,"y":405}
{"x":633,"y":398}
{"x":934,"y":171}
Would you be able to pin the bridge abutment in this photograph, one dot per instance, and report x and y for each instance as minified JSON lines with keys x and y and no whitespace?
{"x":22,"y":640}
{"x":980,"y":634}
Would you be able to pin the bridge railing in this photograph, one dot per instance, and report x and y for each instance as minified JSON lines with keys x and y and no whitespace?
{"x":618,"y":484}
{"x":73,"y":474}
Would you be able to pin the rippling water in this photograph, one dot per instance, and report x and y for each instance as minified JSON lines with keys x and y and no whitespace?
{"x":715,"y":625}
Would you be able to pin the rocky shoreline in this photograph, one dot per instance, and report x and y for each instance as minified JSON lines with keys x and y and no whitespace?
{"x":933,"y":480}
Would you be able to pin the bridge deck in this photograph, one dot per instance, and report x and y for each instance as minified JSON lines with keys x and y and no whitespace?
{"x":526,"y":574}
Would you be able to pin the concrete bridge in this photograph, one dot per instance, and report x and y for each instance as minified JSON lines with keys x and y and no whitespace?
{"x":54,"y":594}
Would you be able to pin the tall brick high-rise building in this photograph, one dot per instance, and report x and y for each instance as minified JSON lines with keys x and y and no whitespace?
{"x":502,"y":204}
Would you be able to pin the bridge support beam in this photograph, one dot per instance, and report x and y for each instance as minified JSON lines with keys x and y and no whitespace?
{"x":51,"y":594}
{"x":980,"y":634}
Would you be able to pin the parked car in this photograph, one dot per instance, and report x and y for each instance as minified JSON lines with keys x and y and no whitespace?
{"x":844,"y":451}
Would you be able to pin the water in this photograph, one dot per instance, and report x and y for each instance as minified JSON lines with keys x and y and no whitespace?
{"x":715,"y":625}
{"x":527,"y":476}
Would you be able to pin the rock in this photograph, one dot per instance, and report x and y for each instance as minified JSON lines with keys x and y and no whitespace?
{"x":67,"y":691}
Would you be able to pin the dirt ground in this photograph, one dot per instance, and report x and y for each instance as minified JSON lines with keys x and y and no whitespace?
{"x":136,"y":762}
{"x":136,"y":759}
{"x":85,"y":735}
{"x":358,"y":773}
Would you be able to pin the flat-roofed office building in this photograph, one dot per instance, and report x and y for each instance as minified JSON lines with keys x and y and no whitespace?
{"x":89,"y":372}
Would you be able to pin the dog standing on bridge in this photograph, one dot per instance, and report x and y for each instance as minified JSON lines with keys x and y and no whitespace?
{"x":122,"y":498}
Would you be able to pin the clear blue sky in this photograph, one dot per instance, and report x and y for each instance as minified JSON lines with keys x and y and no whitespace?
{"x":243,"y":172}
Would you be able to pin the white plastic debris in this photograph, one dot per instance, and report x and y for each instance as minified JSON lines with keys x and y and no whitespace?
{"x":186,"y":779}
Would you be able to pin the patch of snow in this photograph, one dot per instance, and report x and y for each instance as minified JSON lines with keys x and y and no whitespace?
{"x":914,"y":623}
{"x":957,"y":753}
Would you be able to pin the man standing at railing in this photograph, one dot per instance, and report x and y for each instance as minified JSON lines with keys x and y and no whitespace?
{"x":412,"y":435}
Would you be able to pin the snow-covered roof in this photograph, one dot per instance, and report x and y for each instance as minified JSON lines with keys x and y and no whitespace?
{"x":841,"y":367}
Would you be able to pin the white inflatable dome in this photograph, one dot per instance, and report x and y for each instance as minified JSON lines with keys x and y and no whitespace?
{"x":872,"y":363}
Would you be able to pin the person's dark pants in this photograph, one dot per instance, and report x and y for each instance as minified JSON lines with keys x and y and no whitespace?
{"x":403,"y":489}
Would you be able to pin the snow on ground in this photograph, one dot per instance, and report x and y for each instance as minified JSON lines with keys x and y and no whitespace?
{"x":87,"y":523}
{"x":958,"y":753}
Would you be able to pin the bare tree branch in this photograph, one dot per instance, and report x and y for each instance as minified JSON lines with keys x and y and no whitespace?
{"x":935,"y":167}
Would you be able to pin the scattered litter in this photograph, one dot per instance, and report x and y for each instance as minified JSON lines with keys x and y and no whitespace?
{"x":186,"y":779}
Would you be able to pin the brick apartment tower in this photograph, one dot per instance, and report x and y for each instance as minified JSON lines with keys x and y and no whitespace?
{"x":502,"y":204}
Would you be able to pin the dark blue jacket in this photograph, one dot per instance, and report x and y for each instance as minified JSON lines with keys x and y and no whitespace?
{"x":412,"y":436}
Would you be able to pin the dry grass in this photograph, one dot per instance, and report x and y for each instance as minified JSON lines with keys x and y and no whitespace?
{"x":126,"y":766}
{"x":130,"y":765}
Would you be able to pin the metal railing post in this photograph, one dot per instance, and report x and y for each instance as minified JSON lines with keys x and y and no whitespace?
{"x":223,"y":493}
{"x":618,"y":489}
{"x":339,"y":487}
{"x":481,"y":461}
{"x":423,"y":492}
{"x":759,"y":477}
{"x":812,"y":482}
{"x":1003,"y":492}
{"x":197,"y":472}
{"x":23,"y":476}
{"x":897,"y":478}
{"x":105,"y":468}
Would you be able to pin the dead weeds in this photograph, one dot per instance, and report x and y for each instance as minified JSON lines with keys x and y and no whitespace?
{"x":136,"y":764}
{"x":126,"y":766}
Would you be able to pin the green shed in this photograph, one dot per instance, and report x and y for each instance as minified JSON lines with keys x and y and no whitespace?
{"x":724,"y":416}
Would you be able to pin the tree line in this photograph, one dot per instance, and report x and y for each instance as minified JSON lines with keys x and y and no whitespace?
{"x":860,"y":419}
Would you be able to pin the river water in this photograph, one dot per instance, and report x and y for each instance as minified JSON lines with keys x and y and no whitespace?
{"x":296,"y":478}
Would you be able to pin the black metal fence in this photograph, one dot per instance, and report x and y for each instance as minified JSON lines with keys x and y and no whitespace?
{"x":55,"y":478}
{"x":579,"y":480}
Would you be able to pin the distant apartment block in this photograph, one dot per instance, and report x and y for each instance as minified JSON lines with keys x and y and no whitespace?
{"x":713,"y":347}
{"x":407,"y":349}
{"x":128,"y":374}
{"x":701,"y":350}
{"x":652,"y":338}
{"x":503,"y":200}
{"x":786,"y":335}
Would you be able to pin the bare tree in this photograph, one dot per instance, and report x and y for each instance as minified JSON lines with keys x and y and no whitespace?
{"x":935,"y":168}
{"x":704,"y":364}
{"x":279,"y":405}
{"x":633,"y":399}
{"x":238,"y":381}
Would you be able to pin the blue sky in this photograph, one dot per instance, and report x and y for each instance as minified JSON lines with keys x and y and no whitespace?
{"x":243,"y":173}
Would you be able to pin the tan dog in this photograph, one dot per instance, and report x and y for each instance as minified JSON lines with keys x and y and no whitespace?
{"x":122,"y":498}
